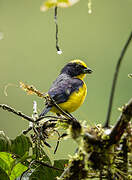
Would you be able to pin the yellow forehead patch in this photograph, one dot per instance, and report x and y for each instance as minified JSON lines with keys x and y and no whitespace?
{"x":79,"y":62}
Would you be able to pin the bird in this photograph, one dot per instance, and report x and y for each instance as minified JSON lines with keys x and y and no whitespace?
{"x":69,"y":89}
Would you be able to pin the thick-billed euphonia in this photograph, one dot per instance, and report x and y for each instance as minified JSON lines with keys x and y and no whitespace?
{"x":68,"y":90}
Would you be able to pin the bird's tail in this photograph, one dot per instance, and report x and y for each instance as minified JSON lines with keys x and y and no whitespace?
{"x":45,"y":111}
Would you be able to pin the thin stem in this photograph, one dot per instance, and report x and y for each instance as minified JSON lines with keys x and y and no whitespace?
{"x":115,"y":79}
{"x":56,"y":34}
{"x":58,"y":141}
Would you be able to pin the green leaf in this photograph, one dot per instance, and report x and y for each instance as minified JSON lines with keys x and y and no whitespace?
{"x":3,"y":175}
{"x":20,"y":145}
{"x":4,"y":165}
{"x":6,"y":161}
{"x":42,"y":173}
{"x":46,"y":173}
{"x":59,"y":3}
{"x":5,"y":143}
{"x":11,"y":166}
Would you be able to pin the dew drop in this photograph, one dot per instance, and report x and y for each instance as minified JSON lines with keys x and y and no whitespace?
{"x":59,"y":52}
{"x":107,"y":131}
{"x":89,"y":11}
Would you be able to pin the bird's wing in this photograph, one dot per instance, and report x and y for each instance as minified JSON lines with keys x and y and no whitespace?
{"x":63,"y":87}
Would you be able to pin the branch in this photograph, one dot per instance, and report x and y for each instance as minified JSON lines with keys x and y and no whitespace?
{"x":115,"y":80}
{"x":121,"y":124}
{"x":18,"y":113}
{"x":55,"y":118}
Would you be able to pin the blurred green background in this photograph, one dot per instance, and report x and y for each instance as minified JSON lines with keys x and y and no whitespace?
{"x":28,"y":54}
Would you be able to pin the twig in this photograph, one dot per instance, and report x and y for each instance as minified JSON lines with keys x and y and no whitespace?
{"x":121,"y":124}
{"x":115,"y":80}
{"x":32,"y":90}
{"x":18,"y":113}
{"x":55,"y":118}
{"x":35,"y":113}
{"x":56,"y":35}
{"x":34,"y":116}
{"x":66,"y":171}
{"x":58,"y":141}
{"x":27,"y":130}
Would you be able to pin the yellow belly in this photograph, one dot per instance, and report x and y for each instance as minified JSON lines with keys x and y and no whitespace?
{"x":75,"y":100}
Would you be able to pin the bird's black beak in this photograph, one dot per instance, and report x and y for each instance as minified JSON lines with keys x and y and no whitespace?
{"x":87,"y":71}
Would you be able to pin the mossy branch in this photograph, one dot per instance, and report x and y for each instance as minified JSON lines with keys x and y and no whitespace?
{"x":121,"y":124}
{"x":94,"y":146}
{"x":99,"y":154}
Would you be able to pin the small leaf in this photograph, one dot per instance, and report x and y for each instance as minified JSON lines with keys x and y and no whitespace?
{"x":3,"y":175}
{"x":5,"y":143}
{"x":59,"y":3}
{"x":21,"y":145}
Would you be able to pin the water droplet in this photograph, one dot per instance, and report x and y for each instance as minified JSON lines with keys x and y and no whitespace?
{"x":59,"y":52}
{"x":89,"y":11}
{"x":107,"y":131}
